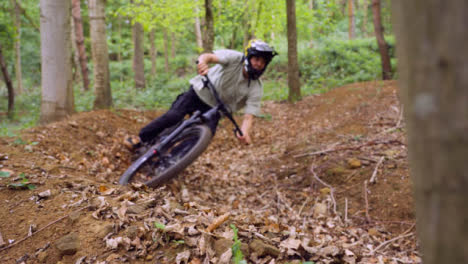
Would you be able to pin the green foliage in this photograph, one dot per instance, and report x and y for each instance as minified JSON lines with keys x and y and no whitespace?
{"x":237,"y":256}
{"x":338,"y":62}
{"x":5,"y":174}
{"x":23,"y":184}
{"x":160,"y":226}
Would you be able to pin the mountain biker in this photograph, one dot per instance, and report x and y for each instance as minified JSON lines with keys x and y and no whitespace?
{"x":236,"y":78}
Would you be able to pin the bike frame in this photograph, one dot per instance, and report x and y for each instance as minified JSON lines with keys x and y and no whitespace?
{"x":199,"y":118}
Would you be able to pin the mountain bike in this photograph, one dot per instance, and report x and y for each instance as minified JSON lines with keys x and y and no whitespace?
{"x":177,"y":147}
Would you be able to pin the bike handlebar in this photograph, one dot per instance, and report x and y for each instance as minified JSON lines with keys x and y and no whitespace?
{"x":209,"y":84}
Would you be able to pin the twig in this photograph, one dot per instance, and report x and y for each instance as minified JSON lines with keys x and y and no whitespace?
{"x":374,"y":174}
{"x":327,"y":185}
{"x":367,"y":201}
{"x":302,"y":207}
{"x":346,"y":211}
{"x":280,"y":198}
{"x":401,"y":116}
{"x":49,"y":224}
{"x":373,"y":142}
{"x":389,"y":241}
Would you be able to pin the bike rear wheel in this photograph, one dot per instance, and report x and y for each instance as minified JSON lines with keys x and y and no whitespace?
{"x":154,"y":168}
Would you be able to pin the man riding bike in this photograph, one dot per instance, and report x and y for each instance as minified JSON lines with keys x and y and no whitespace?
{"x":236,"y":78}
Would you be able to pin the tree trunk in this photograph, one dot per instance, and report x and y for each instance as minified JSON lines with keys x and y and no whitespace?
{"x":433,"y":66}
{"x":138,"y":56}
{"x":343,"y":7}
{"x":11,"y":91}
{"x":173,"y":45}
{"x":365,"y":7}
{"x":80,"y":46}
{"x":56,"y":58}
{"x":351,"y":21}
{"x":208,"y":38}
{"x":293,"y":66}
{"x":166,"y":51}
{"x":76,"y":59}
{"x":153,"y":52}
{"x":232,"y":44}
{"x":198,"y":33}
{"x":100,"y":54}
{"x":18,"y":68}
{"x":383,"y":47}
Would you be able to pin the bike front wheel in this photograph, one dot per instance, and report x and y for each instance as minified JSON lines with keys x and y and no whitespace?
{"x":153,"y":168}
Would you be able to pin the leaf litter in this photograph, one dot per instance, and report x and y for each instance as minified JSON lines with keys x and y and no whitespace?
{"x":285,"y":195}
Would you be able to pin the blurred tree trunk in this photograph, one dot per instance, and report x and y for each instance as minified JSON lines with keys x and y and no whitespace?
{"x":76,"y":59}
{"x":433,"y":64}
{"x":293,"y":66}
{"x":173,"y":45}
{"x":153,"y":52}
{"x":138,"y":56}
{"x":11,"y":91}
{"x":56,"y":58}
{"x":100,"y":54}
{"x":208,"y":38}
{"x":247,"y":25}
{"x":383,"y":47}
{"x":198,"y":33}
{"x":166,"y":50}
{"x":18,"y":68}
{"x":351,"y":20}
{"x":343,"y":5}
{"x":232,"y":44}
{"x":80,"y":45}
{"x":365,"y":9}
{"x":311,"y":41}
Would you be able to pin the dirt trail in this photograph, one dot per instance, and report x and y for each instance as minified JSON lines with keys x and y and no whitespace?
{"x":301,"y":192}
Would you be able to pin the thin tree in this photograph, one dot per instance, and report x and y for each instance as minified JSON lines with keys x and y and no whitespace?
{"x":18,"y":69}
{"x":99,"y":50}
{"x":153,"y":51}
{"x":166,"y":50}
{"x":79,"y":40}
{"x":208,"y":36}
{"x":433,"y":63}
{"x":351,"y":20}
{"x":198,"y":33}
{"x":138,"y":55}
{"x":383,"y":47}
{"x":365,"y":7}
{"x":6,"y":77}
{"x":56,"y":58}
{"x":293,"y":66}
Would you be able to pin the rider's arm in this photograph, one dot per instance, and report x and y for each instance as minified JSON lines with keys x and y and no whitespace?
{"x":245,"y":127}
{"x":204,"y":60}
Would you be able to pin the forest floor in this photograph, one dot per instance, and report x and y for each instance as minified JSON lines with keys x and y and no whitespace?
{"x":302,"y":192}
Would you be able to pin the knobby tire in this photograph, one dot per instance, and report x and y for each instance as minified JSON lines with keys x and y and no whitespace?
{"x":196,"y":140}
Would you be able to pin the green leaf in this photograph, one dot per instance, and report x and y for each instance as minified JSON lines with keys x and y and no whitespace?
{"x":179,"y":242}
{"x":5,"y":174}
{"x":159,"y":225}
{"x":237,"y":257}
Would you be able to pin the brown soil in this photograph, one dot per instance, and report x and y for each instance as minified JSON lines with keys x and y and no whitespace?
{"x":338,"y":137}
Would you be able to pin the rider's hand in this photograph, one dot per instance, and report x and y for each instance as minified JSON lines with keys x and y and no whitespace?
{"x":245,"y":139}
{"x":202,"y":68}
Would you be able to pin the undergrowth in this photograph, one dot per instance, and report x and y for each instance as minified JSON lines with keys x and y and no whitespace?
{"x":324,"y":65}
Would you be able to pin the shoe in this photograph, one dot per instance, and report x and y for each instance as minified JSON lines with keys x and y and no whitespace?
{"x":132,"y":143}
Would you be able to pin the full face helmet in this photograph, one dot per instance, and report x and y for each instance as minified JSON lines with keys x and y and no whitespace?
{"x":257,"y":48}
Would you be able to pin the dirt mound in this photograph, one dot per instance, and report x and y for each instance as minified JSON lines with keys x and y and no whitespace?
{"x":302,"y":191}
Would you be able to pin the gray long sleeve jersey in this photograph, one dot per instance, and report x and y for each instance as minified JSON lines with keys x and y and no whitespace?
{"x":233,"y":88}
